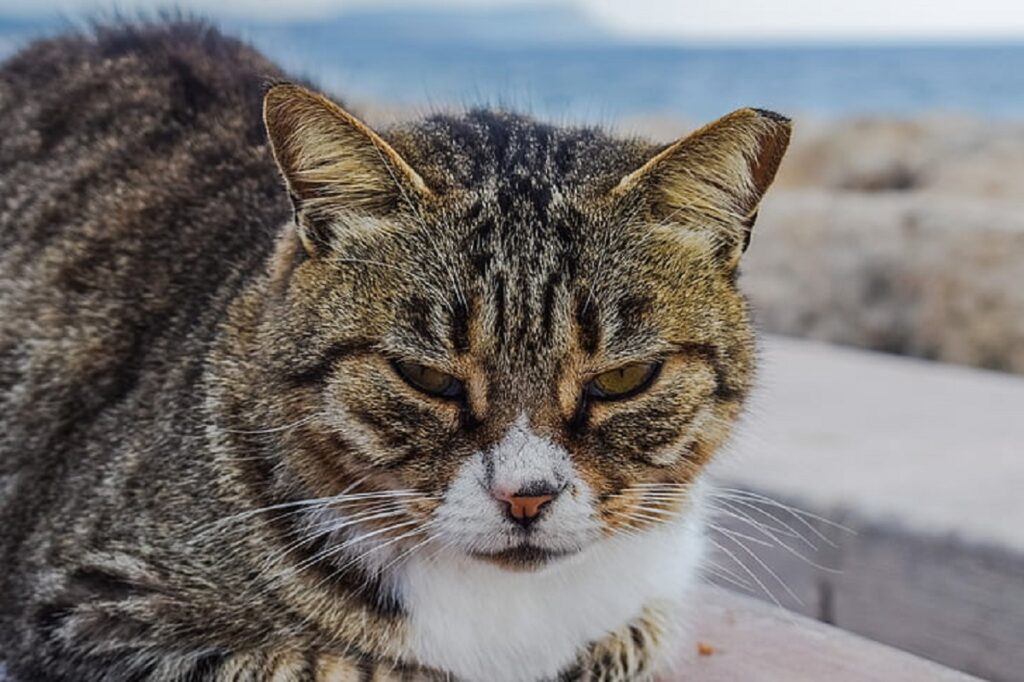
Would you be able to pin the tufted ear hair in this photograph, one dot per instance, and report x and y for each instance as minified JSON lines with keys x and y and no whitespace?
{"x":715,"y":177}
{"x":334,"y":164}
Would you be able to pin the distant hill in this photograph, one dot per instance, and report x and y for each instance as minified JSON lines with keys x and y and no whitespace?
{"x":558,"y":24}
{"x":519,"y":25}
{"x":373,"y":29}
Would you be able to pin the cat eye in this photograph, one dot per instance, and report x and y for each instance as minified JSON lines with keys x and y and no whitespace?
{"x":624,"y":382}
{"x":429,"y":380}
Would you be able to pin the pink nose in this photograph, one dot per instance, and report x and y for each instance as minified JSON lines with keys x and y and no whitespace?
{"x":525,"y":506}
{"x":524,"y":509}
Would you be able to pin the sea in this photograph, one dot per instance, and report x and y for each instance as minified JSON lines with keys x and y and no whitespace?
{"x":558,"y":65}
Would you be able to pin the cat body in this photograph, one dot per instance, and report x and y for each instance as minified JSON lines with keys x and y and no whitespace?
{"x":437,"y":405}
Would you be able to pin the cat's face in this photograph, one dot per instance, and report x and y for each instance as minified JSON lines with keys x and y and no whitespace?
{"x":536,"y":332}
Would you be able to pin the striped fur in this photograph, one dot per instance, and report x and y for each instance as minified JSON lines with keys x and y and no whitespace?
{"x":209,"y":467}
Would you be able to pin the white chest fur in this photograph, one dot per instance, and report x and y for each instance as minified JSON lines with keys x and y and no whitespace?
{"x":486,"y":624}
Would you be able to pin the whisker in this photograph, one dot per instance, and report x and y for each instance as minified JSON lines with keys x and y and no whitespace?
{"x":753,"y":576}
{"x":795,"y":511}
{"x":728,"y":531}
{"x":736,"y":576}
{"x":776,"y":541}
{"x":298,"y":506}
{"x":758,"y":506}
{"x":730,"y":511}
{"x":639,"y":516}
{"x":376,"y":548}
{"x":329,"y":526}
{"x":407,"y":553}
{"x":732,"y":537}
{"x":337,"y":549}
{"x":723,"y":574}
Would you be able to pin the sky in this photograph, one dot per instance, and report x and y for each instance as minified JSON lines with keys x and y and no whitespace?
{"x":665,"y":20}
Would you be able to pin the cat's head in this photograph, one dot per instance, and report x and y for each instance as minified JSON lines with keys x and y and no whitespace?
{"x":534,"y":331}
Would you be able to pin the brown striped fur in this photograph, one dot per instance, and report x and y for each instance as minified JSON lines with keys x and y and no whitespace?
{"x":177,"y":352}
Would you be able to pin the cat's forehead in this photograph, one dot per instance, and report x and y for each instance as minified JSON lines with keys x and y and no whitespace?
{"x":519,"y":197}
{"x":509,"y":155}
{"x":524,"y":278}
{"x":526,"y":246}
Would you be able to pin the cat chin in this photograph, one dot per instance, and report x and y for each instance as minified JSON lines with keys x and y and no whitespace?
{"x":483,"y":622}
{"x":524,"y":558}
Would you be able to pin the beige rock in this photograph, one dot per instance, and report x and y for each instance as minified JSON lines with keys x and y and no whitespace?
{"x":946,"y":156}
{"x":910,"y":273}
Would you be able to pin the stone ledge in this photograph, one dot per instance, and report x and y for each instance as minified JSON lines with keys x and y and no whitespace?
{"x":747,"y":640}
{"x":923,"y":462}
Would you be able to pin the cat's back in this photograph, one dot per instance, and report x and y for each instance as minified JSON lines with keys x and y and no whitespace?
{"x":134,"y":183}
{"x":106,"y":133}
{"x":137,"y":195}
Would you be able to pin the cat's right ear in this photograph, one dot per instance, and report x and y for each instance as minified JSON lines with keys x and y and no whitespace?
{"x":334,"y":165}
{"x":712,"y":180}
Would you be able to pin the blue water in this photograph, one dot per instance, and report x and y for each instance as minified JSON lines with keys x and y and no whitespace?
{"x":557,"y":66}
{"x":606,"y":82}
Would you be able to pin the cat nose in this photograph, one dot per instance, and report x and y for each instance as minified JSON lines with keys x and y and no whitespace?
{"x":525,"y":506}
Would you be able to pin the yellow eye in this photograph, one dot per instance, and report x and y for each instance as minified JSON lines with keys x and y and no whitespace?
{"x":429,"y":380}
{"x":623,"y":382}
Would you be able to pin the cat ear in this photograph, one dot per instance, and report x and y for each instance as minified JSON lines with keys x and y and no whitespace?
{"x":715,"y":177}
{"x":334,"y":164}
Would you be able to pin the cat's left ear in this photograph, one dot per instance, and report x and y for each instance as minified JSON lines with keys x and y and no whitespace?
{"x":714,"y":178}
{"x":334,"y":164}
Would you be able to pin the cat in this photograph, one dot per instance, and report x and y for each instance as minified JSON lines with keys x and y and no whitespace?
{"x":432,"y":402}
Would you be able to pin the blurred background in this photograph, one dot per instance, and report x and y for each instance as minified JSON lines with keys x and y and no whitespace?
{"x":874,"y":492}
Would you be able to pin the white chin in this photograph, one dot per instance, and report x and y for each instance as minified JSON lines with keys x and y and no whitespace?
{"x":475,"y":618}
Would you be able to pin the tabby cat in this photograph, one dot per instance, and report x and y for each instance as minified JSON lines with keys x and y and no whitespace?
{"x":436,"y":406}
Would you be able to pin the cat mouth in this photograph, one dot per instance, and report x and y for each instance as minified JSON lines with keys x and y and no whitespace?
{"x":523,"y":557}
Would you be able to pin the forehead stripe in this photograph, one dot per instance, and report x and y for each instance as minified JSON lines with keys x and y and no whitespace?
{"x":588,"y":324}
{"x":499,"y":308}
{"x":548,"y":304}
{"x":459,"y":327}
